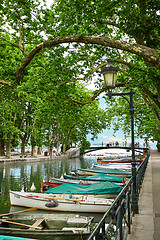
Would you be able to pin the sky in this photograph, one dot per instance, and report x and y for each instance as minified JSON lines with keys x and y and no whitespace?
{"x":107,"y":135}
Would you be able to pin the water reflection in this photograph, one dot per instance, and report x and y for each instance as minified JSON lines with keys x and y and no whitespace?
{"x":22,"y":175}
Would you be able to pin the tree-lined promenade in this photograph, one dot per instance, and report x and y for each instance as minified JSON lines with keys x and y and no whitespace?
{"x":50,"y":53}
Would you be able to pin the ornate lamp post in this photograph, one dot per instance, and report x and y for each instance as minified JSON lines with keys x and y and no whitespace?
{"x":109,"y":73}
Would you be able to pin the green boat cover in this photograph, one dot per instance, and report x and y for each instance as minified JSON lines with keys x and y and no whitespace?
{"x":105,"y":171}
{"x":95,"y":188}
{"x":2,"y":237}
{"x":99,"y":177}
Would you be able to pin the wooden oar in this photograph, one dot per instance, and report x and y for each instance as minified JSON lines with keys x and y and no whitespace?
{"x":58,"y":198}
{"x":26,"y":210}
{"x":69,"y":199}
{"x":20,"y":224}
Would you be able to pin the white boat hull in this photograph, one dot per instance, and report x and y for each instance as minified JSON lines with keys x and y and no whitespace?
{"x":64,"y":204}
{"x":124,"y":167}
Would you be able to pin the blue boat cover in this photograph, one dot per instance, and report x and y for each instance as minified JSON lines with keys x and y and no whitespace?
{"x":98,"y":177}
{"x":95,"y":188}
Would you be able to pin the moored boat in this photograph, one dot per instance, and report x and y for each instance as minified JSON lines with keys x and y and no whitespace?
{"x":90,"y":171}
{"x":60,"y":202}
{"x":110,"y":154}
{"x":103,"y":189}
{"x":55,"y":182}
{"x":122,"y":166}
{"x":96,"y":178}
{"x":103,"y":160}
{"x":46,"y":226}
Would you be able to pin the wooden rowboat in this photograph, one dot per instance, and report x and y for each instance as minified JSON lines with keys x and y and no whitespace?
{"x":60,"y":202}
{"x":46,"y":226}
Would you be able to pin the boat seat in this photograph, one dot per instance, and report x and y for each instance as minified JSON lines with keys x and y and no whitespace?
{"x":37,"y":223}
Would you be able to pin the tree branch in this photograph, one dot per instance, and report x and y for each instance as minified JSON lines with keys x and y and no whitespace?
{"x":5,"y":83}
{"x":151,"y":96}
{"x":4,"y":30}
{"x":90,"y":99}
{"x":149,"y":103}
{"x":13,"y":44}
{"x":98,"y":92}
{"x":147,"y":53}
{"x":21,"y":47}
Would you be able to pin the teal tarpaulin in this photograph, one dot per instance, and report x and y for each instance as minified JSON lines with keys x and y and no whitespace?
{"x":2,"y":237}
{"x":95,"y":188}
{"x":98,"y":177}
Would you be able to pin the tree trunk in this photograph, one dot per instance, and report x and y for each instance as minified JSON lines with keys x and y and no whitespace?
{"x":2,"y":151}
{"x":39,"y":150}
{"x":50,"y":152}
{"x":23,"y":146}
{"x":64,"y":148}
{"x":67,"y":138}
{"x":32,"y":150}
{"x":59,"y":142}
{"x":24,"y":140}
{"x":8,"y":145}
{"x":58,"y":145}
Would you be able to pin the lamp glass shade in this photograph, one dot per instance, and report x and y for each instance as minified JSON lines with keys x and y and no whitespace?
{"x":109,"y":79}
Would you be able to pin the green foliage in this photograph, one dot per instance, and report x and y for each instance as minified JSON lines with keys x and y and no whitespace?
{"x":37,"y":87}
{"x":84,"y":146}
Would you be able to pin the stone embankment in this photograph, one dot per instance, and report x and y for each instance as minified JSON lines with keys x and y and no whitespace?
{"x":16,"y":157}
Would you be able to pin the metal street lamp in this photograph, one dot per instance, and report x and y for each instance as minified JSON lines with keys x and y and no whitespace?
{"x":109,"y":72}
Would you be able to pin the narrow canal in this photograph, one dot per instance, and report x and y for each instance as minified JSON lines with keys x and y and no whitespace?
{"x":18,"y":176}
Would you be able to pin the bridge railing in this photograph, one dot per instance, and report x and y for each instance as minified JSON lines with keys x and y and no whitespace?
{"x":95,"y":148}
{"x":116,"y":222}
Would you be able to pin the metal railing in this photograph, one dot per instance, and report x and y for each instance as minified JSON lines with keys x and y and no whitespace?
{"x":116,"y":222}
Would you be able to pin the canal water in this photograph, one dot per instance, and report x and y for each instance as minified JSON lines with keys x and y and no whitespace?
{"x":18,"y":176}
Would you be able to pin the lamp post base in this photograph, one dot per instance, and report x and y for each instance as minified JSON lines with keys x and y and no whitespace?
{"x":135,"y":207}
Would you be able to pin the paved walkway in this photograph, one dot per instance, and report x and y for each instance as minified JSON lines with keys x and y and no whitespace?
{"x":146,"y":224}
